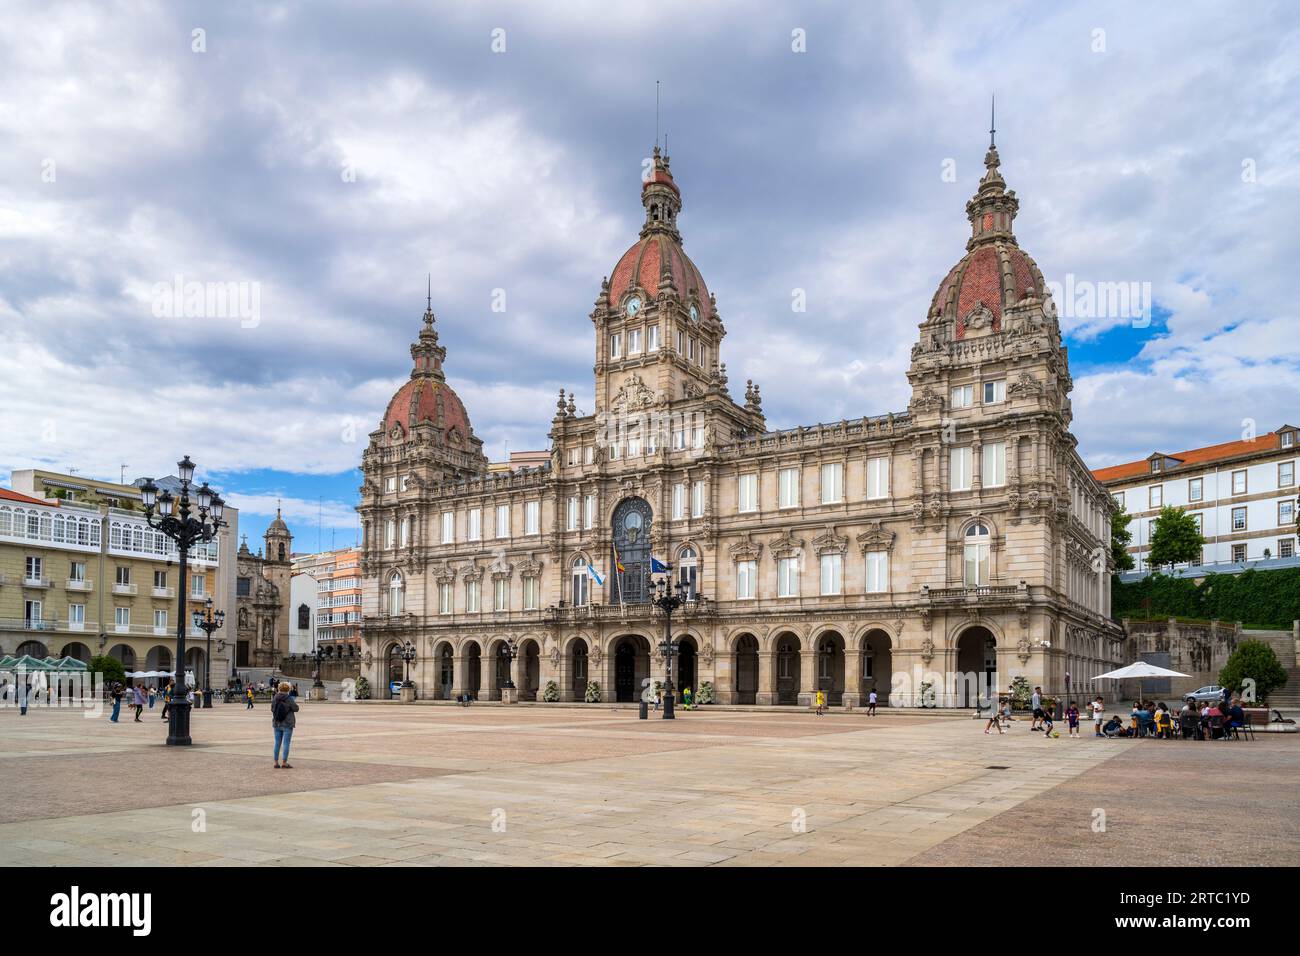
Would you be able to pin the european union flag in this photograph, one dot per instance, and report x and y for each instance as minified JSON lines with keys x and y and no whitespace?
{"x":656,"y":567}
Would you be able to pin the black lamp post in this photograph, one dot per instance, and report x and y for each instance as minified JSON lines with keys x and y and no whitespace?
{"x":406,"y":651}
{"x":189,"y":521}
{"x":669,"y":596}
{"x":319,"y":654}
{"x":509,"y":651}
{"x":208,"y":621}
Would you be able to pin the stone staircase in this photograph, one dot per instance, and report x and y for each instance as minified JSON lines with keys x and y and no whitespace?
{"x":1287,"y":697}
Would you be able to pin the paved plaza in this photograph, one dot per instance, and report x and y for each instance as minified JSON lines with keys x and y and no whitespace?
{"x":386,"y":784}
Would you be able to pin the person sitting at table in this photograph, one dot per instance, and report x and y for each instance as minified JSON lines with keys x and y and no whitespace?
{"x":1236,"y":716}
{"x":1208,"y":715}
{"x":1162,"y":721}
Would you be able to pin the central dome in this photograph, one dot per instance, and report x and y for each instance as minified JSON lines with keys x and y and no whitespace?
{"x":426,"y":398}
{"x":995,"y":274}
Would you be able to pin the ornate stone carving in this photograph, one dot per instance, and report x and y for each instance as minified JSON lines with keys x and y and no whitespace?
{"x":707,"y":653}
{"x":786,"y":545}
{"x":1026,"y":384}
{"x":927,"y":648}
{"x":928,"y":400}
{"x":828,"y":542}
{"x":1022,"y":650}
{"x":876,"y":538}
{"x":746,"y":549}
{"x":980,"y":317}
{"x":634,"y":393}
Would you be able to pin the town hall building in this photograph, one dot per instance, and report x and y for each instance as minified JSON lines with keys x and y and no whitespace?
{"x":932,"y":553}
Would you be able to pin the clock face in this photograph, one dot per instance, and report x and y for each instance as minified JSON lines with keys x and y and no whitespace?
{"x":695,"y":314}
{"x":634,"y":305}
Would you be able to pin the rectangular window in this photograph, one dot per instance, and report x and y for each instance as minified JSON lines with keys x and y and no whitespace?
{"x":405,"y":480}
{"x":963,"y":396}
{"x":1155,"y":496}
{"x":448,"y":527}
{"x":634,"y":443}
{"x":589,"y":511}
{"x":691,"y":349}
{"x":571,"y":514}
{"x":633,"y":341}
{"x":475,"y":527}
{"x":573,"y":455}
{"x":33,"y":569}
{"x":959,"y":469}
{"x":1195,"y":489}
{"x":614,"y":450}
{"x":787,"y":577}
{"x":1286,"y":547}
{"x":122,"y":618}
{"x":77,"y":615}
{"x":652,"y":339}
{"x":1118,"y":498}
{"x":589,"y":454}
{"x":877,"y":478}
{"x":832,"y":573}
{"x":533,"y":517}
{"x":1200,"y":522}
{"x":444,"y":597}
{"x":1286,"y":474}
{"x":1239,"y":482}
{"x":697,"y":436}
{"x":1239,"y":552}
{"x":160,"y":620}
{"x":390,"y":483}
{"x":877,"y":571}
{"x":530,"y":594}
{"x":159,"y":578}
{"x":500,"y":594}
{"x":679,"y":438}
{"x":615,"y":345}
{"x":390,"y":535}
{"x":199,"y":585}
{"x":993,"y":464}
{"x":503,"y":521}
{"x":471,"y":596}
{"x":748,"y":493}
{"x":787,"y":488}
{"x":995,"y":392}
{"x":1238,"y":519}
{"x":746,"y":579}
{"x":406,"y":532}
{"x":832,"y":483}
{"x":681,"y":342}
{"x":32,"y":611}
{"x":1285,"y":513}
{"x":77,"y":571}
{"x":697,"y":499}
{"x":679,"y":502}
{"x":123,"y":575}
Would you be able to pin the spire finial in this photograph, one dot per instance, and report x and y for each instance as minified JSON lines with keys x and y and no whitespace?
{"x":993,"y":105}
{"x":657,"y":114}
{"x":429,"y":297}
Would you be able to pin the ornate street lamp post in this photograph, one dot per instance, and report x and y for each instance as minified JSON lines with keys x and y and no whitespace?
{"x":669,"y":596}
{"x":406,"y":651}
{"x":319,"y":654}
{"x":208,"y":621}
{"x":189,"y":522}
{"x":509,"y":651}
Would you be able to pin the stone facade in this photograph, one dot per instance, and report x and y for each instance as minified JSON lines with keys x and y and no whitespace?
{"x":262,"y":595}
{"x":909,"y":552}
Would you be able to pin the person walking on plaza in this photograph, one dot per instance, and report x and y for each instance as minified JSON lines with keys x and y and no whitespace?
{"x":821,"y":703}
{"x":284,"y":710}
{"x":1036,"y":705}
{"x":23,"y":690}
{"x":1098,"y":708}
{"x":1049,"y":725}
{"x":167,"y":698}
{"x":153,"y":692}
{"x":872,"y":698}
{"x":138,"y":701}
{"x":686,"y":699}
{"x":117,"y":702}
{"x":248,"y":697}
{"x":1072,"y":719}
{"x":995,"y":720}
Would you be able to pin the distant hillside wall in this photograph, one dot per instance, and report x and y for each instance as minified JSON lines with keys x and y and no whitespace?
{"x":1198,"y":650}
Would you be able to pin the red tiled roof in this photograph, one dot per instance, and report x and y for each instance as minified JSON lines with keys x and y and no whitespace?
{"x":1194,"y":456}
{"x":640,"y":266}
{"x":417,"y":401}
{"x":8,"y":495}
{"x":979,"y":277}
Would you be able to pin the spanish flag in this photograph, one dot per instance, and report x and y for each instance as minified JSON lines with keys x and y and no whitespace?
{"x":618,"y":561}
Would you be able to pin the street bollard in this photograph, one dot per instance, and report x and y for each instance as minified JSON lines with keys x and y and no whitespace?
{"x":644,"y":713}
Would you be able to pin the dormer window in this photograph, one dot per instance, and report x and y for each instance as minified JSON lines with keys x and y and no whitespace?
{"x":1288,"y":439}
{"x":1155,"y":465}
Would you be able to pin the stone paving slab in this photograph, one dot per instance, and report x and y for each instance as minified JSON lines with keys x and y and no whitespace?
{"x":445,"y":786}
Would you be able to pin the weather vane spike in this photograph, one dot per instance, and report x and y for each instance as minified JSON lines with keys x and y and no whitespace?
{"x":993,"y":106}
{"x":656,"y":112}
{"x":429,"y":298}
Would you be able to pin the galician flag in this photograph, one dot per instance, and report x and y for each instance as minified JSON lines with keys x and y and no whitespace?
{"x":594,"y":576}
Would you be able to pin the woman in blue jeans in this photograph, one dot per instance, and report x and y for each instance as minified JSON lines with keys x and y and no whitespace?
{"x":284,"y":710}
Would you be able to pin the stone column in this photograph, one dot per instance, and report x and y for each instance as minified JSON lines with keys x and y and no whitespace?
{"x":852,"y":678}
{"x":487,"y":677}
{"x":766,"y":695}
{"x":807,"y":677}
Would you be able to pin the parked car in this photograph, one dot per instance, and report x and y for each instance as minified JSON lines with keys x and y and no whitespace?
{"x":1211,"y":693}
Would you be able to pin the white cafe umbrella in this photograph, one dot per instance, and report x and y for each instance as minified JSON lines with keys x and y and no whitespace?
{"x":1139,"y":670}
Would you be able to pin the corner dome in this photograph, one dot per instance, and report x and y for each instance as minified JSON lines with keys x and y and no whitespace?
{"x":427,"y":399}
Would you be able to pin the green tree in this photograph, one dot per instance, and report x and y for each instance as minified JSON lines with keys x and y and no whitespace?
{"x":1120,"y":536}
{"x":110,"y":667}
{"x":1255,"y":661}
{"x":1175,"y":538}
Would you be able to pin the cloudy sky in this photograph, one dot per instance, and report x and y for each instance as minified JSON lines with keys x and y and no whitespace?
{"x":327,"y":156}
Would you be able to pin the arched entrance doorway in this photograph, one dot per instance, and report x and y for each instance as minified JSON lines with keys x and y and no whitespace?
{"x":686,"y":669}
{"x":530,"y":670}
{"x":630,"y":548}
{"x":630,"y":664}
{"x":578,"y":669}
{"x":122,"y":653}
{"x":473,"y":679}
{"x":446,"y":662}
{"x":395,"y":671}
{"x":787,"y":669}
{"x":747,"y":669}
{"x":76,"y":650}
{"x":194,"y":660}
{"x":876,"y":672}
{"x":977,"y":667}
{"x":830,"y":667}
{"x":39,"y":651}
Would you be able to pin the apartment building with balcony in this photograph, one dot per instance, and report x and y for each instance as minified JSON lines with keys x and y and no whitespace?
{"x":337,"y":610}
{"x":83,"y":575}
{"x":1241,"y":493}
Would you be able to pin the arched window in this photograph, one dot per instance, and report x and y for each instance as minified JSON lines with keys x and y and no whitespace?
{"x":304,"y":617}
{"x":975,"y":556}
{"x":581,"y":592}
{"x":688,"y":570}
{"x":396,"y":593}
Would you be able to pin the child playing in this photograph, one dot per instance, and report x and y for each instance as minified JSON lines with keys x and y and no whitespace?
{"x":1047,"y":723}
{"x":871,"y":702}
{"x":1072,"y":719}
{"x":1098,"y":708}
{"x":821,"y":702}
{"x":995,"y":720}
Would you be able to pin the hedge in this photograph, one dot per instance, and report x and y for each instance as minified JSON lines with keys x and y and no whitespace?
{"x":1265,"y":599}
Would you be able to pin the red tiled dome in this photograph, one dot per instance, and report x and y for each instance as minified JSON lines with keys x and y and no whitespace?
{"x":641,"y":266}
{"x":996,"y":275}
{"x":425,"y":399}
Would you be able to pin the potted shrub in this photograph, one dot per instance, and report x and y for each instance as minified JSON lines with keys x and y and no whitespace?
{"x":1254,"y":672}
{"x":362,"y":689}
{"x":593,"y":692}
{"x":706,"y":693}
{"x":551,"y":693}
